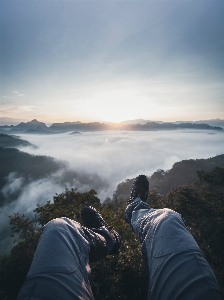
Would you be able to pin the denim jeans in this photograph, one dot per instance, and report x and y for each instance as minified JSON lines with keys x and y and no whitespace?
{"x":175,"y":263}
{"x":177,"y":269}
{"x":60,"y":268}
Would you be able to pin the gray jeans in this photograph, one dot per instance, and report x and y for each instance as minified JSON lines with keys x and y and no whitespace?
{"x":177,"y":269}
{"x":60,"y":268}
{"x":176,"y":265}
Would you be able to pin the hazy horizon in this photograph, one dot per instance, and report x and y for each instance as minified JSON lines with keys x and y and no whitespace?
{"x":13,"y":121}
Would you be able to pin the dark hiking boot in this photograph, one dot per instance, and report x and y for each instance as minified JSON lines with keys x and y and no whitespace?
{"x":140,"y":189}
{"x":93,"y":220}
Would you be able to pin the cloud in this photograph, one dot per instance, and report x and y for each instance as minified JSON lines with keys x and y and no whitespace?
{"x":8,"y":109}
{"x":17,"y":93}
{"x":13,"y":184}
{"x":40,"y":191}
{"x":36,"y":192}
{"x":174,"y":46}
{"x":7,"y":97}
{"x":101,"y":160}
{"x":115,"y":156}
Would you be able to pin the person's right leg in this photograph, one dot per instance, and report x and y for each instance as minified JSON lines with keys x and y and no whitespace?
{"x":177,"y":268}
{"x":60,"y":267}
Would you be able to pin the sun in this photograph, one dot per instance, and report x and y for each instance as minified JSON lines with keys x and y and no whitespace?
{"x":117,"y":126}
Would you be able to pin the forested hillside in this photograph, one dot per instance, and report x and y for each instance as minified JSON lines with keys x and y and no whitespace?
{"x":18,"y":169}
{"x":123,"y":276}
{"x":183,"y":172}
{"x":25,"y":166}
{"x":12,"y":141}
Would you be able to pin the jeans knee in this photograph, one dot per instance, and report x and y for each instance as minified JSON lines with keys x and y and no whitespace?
{"x":55,"y":222}
{"x":59,"y":223}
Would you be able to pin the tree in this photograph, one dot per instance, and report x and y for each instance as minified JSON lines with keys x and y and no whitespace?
{"x":27,"y":230}
{"x":122,"y":276}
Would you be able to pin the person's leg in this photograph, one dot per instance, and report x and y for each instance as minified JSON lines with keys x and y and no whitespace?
{"x":60,"y":267}
{"x":177,"y":268}
{"x":93,"y":220}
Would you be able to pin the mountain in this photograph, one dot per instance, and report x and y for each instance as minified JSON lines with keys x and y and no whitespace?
{"x":36,"y":127}
{"x":135,"y":121}
{"x":34,"y":124}
{"x":25,"y":166}
{"x":38,"y":130}
{"x":213,"y":122}
{"x":168,"y":126}
{"x":19,"y":169}
{"x":183,"y":172}
{"x":75,"y":132}
{"x":78,"y":126}
{"x":31,"y":127}
{"x":7,"y":141}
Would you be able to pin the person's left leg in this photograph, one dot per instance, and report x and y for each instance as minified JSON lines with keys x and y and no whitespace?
{"x":95,"y":224}
{"x":176,"y":265}
{"x":60,"y":267}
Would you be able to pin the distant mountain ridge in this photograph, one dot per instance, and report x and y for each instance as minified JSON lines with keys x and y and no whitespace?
{"x":36,"y":127}
{"x":212,"y":122}
{"x":32,"y":124}
{"x":31,"y":127}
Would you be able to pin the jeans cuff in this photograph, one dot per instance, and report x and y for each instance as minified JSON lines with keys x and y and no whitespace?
{"x":130,"y":208}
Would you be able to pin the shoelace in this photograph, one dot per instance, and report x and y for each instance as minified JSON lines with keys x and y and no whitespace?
{"x":98,"y":222}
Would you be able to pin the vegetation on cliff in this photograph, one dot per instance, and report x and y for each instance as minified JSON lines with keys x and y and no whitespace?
{"x":122,"y":276}
{"x":12,"y":141}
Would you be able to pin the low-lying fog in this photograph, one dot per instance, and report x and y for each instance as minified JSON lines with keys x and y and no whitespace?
{"x":119,"y":155}
{"x":113,"y":156}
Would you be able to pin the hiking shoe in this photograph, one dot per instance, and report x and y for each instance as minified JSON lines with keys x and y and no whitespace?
{"x":92,"y":218}
{"x":140,"y":189}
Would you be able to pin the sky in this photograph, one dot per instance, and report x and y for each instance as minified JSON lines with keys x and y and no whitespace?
{"x":112,"y":60}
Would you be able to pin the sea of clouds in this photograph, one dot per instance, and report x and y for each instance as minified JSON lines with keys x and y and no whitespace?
{"x":104,"y":159}
{"x":115,"y":156}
